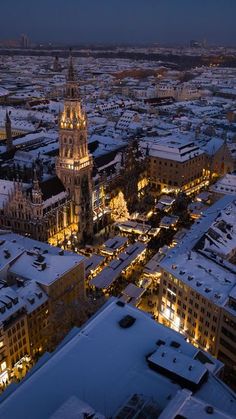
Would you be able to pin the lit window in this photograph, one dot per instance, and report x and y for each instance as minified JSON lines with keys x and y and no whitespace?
{"x":3,"y":366}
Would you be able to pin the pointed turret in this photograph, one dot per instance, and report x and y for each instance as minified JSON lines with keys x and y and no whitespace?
{"x":36,"y":190}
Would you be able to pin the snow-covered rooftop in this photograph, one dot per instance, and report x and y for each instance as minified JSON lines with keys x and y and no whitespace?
{"x":104,"y":364}
{"x":212,"y":277}
{"x":44,"y":268}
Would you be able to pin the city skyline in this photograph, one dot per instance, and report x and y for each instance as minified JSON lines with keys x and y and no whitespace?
{"x":114,"y":22}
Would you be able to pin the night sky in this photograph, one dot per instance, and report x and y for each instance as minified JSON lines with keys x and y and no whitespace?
{"x":123,"y":21}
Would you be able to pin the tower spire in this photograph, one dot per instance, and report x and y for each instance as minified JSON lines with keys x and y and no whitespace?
{"x":72,"y":91}
{"x":71,"y":72}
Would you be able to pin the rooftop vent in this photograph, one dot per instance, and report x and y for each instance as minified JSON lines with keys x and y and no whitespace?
{"x":175,"y":344}
{"x":199,"y":284}
{"x":7,"y":254}
{"x":209,"y":410}
{"x":127,"y":321}
{"x":31,"y":300}
{"x":61,"y":252}
{"x":120,"y":303}
{"x":40,"y":258}
{"x":207,"y":290}
{"x":160,"y":342}
{"x":42,"y":266}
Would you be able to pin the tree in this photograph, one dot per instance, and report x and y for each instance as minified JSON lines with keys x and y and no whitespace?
{"x":118,"y":206}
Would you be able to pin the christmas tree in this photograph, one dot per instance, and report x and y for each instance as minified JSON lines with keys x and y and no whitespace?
{"x":118,"y":206}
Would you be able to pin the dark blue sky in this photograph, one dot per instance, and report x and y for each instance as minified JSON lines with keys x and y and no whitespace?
{"x":111,"y":21}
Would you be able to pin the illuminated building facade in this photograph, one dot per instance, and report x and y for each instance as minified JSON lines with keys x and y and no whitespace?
{"x":198,"y":283}
{"x":74,"y":165}
{"x":176,"y":167}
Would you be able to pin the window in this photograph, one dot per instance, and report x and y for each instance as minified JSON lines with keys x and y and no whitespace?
{"x":230,"y":335}
{"x":3,"y":366}
{"x":227,"y":345}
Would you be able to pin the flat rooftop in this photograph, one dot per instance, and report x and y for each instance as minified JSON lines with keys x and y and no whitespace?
{"x":104,"y":364}
{"x":44,"y":268}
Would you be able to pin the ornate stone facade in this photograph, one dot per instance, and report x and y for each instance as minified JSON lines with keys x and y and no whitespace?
{"x":41,"y":211}
{"x":74,"y":165}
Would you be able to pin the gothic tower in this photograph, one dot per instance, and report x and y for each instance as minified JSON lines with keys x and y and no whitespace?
{"x":8,"y":132}
{"x":74,"y":164}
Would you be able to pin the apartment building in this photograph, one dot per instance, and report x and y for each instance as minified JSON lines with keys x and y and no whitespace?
{"x":175,"y":164}
{"x":34,"y":279}
{"x":14,"y":337}
{"x":153,"y":372}
{"x":198,"y":282}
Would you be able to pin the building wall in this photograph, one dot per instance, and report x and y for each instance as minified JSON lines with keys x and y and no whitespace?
{"x":185,"y":310}
{"x":23,"y":217}
{"x":17,"y":339}
{"x":173,"y":174}
{"x":227,"y":338}
{"x":37,"y":323}
{"x":205,"y":324}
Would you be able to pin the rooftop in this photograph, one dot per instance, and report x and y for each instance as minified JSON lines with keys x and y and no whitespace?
{"x":191,"y":261}
{"x":105,"y":364}
{"x":44,"y":268}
